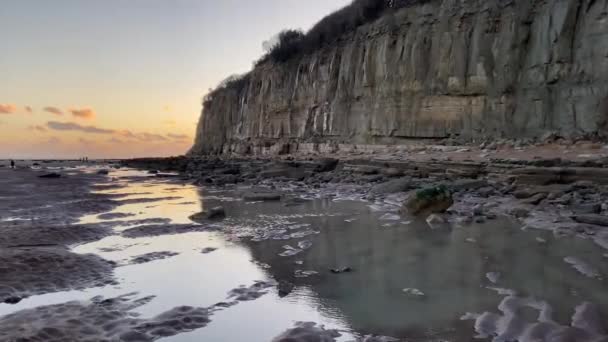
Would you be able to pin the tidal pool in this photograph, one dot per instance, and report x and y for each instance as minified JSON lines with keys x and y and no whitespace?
{"x":403,"y":278}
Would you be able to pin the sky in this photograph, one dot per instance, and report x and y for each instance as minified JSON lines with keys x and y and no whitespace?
{"x":125,"y":78}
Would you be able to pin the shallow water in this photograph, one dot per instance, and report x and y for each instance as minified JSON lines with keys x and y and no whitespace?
{"x":407,"y":280}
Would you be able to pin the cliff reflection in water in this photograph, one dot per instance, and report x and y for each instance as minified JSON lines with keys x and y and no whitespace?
{"x":451,"y":267}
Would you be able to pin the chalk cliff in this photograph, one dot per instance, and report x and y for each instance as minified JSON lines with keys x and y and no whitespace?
{"x":473,"y":68}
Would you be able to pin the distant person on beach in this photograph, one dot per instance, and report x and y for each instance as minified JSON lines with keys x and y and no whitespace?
{"x":12,"y":164}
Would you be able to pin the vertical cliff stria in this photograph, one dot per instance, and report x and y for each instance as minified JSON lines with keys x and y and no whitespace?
{"x":469,"y":68}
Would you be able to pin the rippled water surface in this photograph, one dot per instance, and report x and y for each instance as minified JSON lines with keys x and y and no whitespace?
{"x":407,"y":280}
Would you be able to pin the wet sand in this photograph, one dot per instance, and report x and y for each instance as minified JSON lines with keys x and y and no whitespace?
{"x":91,"y":256}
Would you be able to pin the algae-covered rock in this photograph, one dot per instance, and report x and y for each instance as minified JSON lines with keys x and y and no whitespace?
{"x":430,"y":200}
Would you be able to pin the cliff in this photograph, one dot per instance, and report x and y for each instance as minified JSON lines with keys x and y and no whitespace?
{"x":469,"y":68}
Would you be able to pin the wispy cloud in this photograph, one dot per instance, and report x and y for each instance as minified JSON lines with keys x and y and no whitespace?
{"x":83,"y":113}
{"x":126,"y":134}
{"x":37,"y":128}
{"x":178,"y":136}
{"x":70,"y":126}
{"x":53,"y":110}
{"x":6,"y":108}
{"x":86,"y":141}
{"x":28,"y":109}
{"x":151,"y":137}
{"x":115,"y":141}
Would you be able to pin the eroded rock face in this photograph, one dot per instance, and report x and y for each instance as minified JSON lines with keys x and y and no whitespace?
{"x":470,"y":67}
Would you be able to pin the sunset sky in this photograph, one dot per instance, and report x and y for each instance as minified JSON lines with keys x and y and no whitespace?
{"x":125,"y":78}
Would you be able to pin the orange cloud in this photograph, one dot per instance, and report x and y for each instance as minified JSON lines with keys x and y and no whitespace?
{"x":28,"y":109}
{"x":53,"y":110}
{"x":178,"y":136}
{"x":115,"y":141}
{"x":70,"y":126}
{"x":86,"y":141}
{"x":126,"y":134}
{"x":37,"y":128}
{"x":170,"y":122}
{"x":6,"y":108}
{"x":83,"y":113}
{"x":150,"y":137}
{"x":53,"y":140}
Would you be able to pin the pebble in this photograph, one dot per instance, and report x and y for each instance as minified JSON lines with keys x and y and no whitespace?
{"x":413,"y":292}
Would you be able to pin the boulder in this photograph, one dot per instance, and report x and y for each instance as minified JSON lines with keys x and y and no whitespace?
{"x":427,"y":201}
{"x":392,"y":172}
{"x":212,"y":214}
{"x":326,"y":165}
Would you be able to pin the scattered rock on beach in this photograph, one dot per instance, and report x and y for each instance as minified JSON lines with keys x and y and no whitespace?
{"x":431,"y":200}
{"x":216,"y":213}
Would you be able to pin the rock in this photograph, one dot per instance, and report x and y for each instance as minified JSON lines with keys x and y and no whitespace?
{"x":413,"y":292}
{"x":590,"y":208}
{"x":51,"y":175}
{"x":284,"y":288}
{"x":394,"y":186}
{"x":103,"y":172}
{"x":367,"y":170}
{"x":598,"y":220}
{"x":341,"y":270}
{"x":13,"y":300}
{"x":431,"y":200}
{"x":520,"y":212}
{"x":536,"y":199}
{"x":467,"y":184}
{"x":153,"y":172}
{"x":326,"y":165}
{"x":435,"y":220}
{"x":216,"y":213}
{"x":208,"y":250}
{"x":478,"y":210}
{"x":392,"y":172}
{"x":262,"y":196}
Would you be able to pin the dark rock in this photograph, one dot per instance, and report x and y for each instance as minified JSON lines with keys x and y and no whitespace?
{"x":216,"y":213}
{"x":51,"y":175}
{"x":431,"y":200}
{"x":591,"y":208}
{"x":326,"y":165}
{"x":262,"y":196}
{"x":12,"y":300}
{"x":285,"y":288}
{"x":536,"y":199}
{"x":598,"y":220}
{"x":520,"y":212}
{"x":103,"y":172}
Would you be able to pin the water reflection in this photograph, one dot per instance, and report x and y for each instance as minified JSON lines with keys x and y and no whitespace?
{"x":386,"y":256}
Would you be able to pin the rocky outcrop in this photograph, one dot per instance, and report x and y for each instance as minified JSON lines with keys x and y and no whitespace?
{"x":469,"y":68}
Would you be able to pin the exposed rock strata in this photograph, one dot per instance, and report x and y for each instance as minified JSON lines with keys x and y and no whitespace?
{"x":472,"y":68}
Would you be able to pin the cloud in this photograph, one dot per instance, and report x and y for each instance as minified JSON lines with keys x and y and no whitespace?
{"x":85,"y":141}
{"x":70,"y":126}
{"x":126,"y":134}
{"x":37,"y":128}
{"x":53,"y":110}
{"x":6,"y":108}
{"x":178,"y":136}
{"x":83,"y":113}
{"x":115,"y":141}
{"x":169,"y":122}
{"x":150,"y":137}
{"x":28,"y":109}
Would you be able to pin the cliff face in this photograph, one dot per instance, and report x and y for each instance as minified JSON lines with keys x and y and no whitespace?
{"x":499,"y":68}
